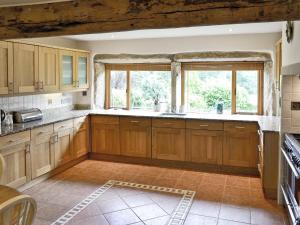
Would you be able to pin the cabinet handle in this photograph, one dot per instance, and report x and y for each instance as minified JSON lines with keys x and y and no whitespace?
{"x":238,"y":127}
{"x":10,"y":87}
{"x":74,"y":83}
{"x":37,"y":85}
{"x":203,"y":125}
{"x":41,"y":85}
{"x":77,"y":83}
{"x":134,"y":121}
{"x":259,"y":148}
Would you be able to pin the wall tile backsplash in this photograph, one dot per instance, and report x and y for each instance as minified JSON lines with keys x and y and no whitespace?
{"x":43,"y":101}
{"x":290,"y":119}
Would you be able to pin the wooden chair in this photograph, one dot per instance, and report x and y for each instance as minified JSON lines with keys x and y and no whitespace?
{"x":16,"y":208}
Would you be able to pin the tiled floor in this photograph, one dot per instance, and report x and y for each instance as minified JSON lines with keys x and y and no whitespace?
{"x":220,"y":199}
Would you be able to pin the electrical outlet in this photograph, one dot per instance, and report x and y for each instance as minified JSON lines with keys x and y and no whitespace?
{"x":84,"y":93}
{"x":295,"y":106}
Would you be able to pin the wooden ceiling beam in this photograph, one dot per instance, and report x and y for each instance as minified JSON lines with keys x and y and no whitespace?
{"x":98,"y":16}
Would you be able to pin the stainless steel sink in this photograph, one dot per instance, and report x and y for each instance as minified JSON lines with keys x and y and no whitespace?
{"x":172,"y":114}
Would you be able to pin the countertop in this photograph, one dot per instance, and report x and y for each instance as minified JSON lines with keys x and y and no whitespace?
{"x":266,"y":123}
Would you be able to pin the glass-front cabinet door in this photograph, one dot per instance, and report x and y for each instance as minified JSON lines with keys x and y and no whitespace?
{"x":82,"y":60}
{"x":67,"y":70}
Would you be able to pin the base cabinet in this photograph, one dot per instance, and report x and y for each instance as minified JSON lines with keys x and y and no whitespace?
{"x":203,"y":146}
{"x":81,"y":136}
{"x":240,"y":144}
{"x":42,"y":151}
{"x":168,"y":143}
{"x":105,"y":135}
{"x":15,"y":150}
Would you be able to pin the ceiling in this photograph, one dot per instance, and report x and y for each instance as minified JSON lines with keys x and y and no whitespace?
{"x":250,"y":28}
{"x":4,"y":3}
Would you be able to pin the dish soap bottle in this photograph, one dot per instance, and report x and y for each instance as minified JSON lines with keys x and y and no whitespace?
{"x":220,"y":106}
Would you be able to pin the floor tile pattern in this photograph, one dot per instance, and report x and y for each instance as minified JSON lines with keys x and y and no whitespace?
{"x":220,"y":199}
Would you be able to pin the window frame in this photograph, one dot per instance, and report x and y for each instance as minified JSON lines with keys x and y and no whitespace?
{"x":234,"y":67}
{"x":128,"y":68}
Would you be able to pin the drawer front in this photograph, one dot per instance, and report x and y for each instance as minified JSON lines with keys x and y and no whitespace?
{"x":204,"y":125}
{"x":81,"y":123}
{"x":240,"y":126}
{"x":168,"y":123}
{"x":63,"y":125}
{"x":135,"y":121}
{"x":14,"y":139}
{"x":42,"y":131}
{"x":106,"y":119}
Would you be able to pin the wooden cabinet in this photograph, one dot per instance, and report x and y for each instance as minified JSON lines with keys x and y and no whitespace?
{"x":25,"y":68}
{"x":48,"y":69}
{"x":204,"y":146}
{"x":105,"y":135}
{"x":82,"y":70}
{"x":15,"y":150}
{"x":42,"y":150}
{"x":67,"y":70}
{"x":63,"y":149}
{"x":240,"y":144}
{"x":6,"y":68}
{"x":135,"y":137}
{"x":81,"y":136}
{"x":168,"y":143}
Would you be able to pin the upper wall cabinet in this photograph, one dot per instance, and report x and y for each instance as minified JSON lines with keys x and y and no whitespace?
{"x":6,"y":68}
{"x":67,"y":70}
{"x":48,"y":69}
{"x":82,"y":70}
{"x":25,"y":68}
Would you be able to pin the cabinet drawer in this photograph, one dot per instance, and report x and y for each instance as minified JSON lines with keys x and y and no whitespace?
{"x":42,"y":131}
{"x":168,"y":123}
{"x":81,"y":123}
{"x":106,"y":119}
{"x":135,"y":121}
{"x":63,"y":125}
{"x":240,"y":126}
{"x":14,"y":139}
{"x":204,"y":125}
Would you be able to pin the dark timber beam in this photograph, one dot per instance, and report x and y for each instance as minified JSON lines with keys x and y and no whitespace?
{"x":96,"y":16}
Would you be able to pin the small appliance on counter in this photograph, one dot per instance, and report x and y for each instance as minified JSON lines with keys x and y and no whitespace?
{"x":27,"y":115}
{"x":2,"y":116}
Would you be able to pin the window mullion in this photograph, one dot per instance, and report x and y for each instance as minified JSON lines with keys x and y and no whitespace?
{"x":233,"y":93}
{"x":128,"y":89}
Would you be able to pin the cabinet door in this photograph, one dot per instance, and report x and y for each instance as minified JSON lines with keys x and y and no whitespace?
{"x":42,"y":151}
{"x":6,"y":68}
{"x":48,"y":69}
{"x":168,"y":143}
{"x":240,"y":149}
{"x":25,"y":68}
{"x":136,"y":141}
{"x":64,"y":147}
{"x":17,"y":165}
{"x":67,"y":70}
{"x":204,"y":146}
{"x":81,"y":137}
{"x":82,"y":70}
{"x":105,"y":139}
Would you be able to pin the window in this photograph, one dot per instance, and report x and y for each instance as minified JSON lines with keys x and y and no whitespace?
{"x":237,"y":85}
{"x":138,"y":86}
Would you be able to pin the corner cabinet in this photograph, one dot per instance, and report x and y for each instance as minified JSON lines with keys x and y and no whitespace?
{"x":67,"y":70}
{"x":25,"y":68}
{"x":82,"y":70}
{"x":81,"y":136}
{"x":6,"y":68}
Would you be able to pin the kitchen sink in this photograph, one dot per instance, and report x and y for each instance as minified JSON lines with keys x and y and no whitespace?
{"x":172,"y":114}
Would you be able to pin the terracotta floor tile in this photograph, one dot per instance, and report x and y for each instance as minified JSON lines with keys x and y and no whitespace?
{"x":215,"y":179}
{"x":196,"y":220}
{"x":210,"y":192}
{"x":185,"y":184}
{"x":238,"y":181}
{"x":171,"y":174}
{"x":147,"y":212}
{"x":164,"y":182}
{"x":238,"y":214}
{"x":144,"y":179}
{"x":122,"y":217}
{"x":206,"y":208}
{"x":236,"y":195}
{"x":255,"y":183}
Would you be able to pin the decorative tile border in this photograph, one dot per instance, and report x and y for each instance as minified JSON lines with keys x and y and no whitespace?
{"x":177,"y":218}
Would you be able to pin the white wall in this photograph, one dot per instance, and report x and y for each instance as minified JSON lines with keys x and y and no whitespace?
{"x":291,"y":51}
{"x":244,"y":42}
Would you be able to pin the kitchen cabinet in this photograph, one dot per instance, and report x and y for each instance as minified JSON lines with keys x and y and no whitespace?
{"x":106,"y":135}
{"x":240,"y":144}
{"x":168,"y":143}
{"x":63,"y":147}
{"x":48,"y":69}
{"x":135,"y":137}
{"x":6,"y":68}
{"x":81,"y":136}
{"x":82,"y":70}
{"x":25,"y":68}
{"x":42,"y":151}
{"x":15,"y":150}
{"x":67,"y":70}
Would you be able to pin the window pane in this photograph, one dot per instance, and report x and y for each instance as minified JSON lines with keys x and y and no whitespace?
{"x":246,"y":91}
{"x":204,"y":89}
{"x":118,"y":89}
{"x":148,"y":86}
{"x":67,"y":70}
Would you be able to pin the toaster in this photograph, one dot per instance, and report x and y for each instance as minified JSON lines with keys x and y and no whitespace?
{"x":27,"y":115}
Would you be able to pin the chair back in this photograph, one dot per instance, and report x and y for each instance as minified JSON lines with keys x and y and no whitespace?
{"x":19,"y":210}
